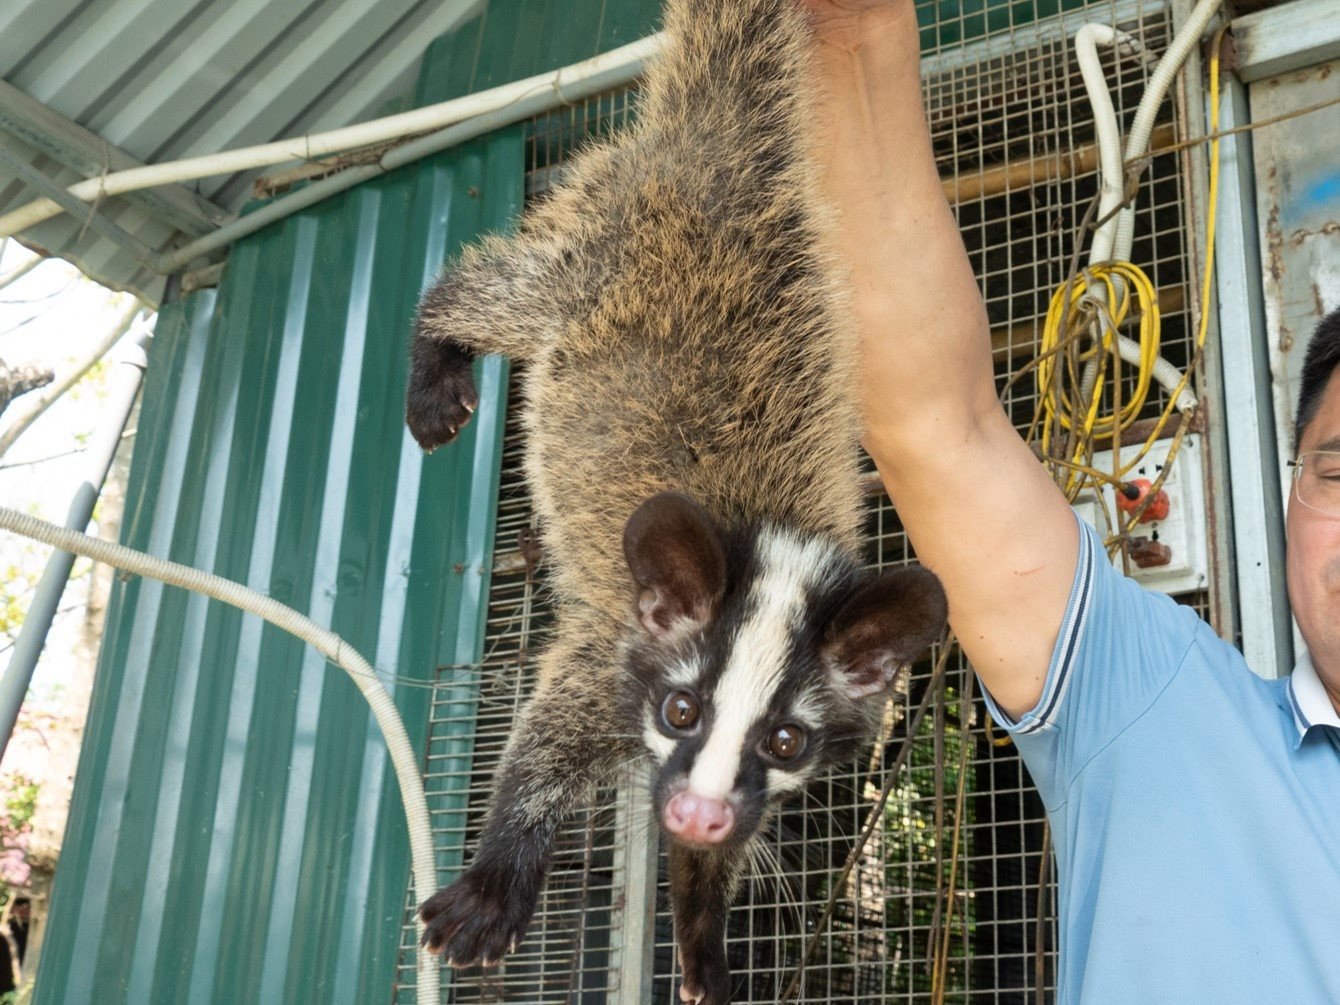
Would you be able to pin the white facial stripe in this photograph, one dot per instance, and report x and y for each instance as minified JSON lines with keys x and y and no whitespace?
{"x":683,"y":673}
{"x":738,"y":702}
{"x":660,"y":745}
{"x":780,"y":781}
{"x":807,"y":712}
{"x":757,"y":657}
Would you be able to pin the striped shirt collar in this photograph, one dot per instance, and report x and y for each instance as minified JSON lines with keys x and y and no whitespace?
{"x":1308,"y":701}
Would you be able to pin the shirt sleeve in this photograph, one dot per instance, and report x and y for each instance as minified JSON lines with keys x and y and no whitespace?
{"x":1118,"y":648}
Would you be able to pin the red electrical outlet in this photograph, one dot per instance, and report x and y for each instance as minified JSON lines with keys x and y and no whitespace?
{"x":1133,"y":495}
{"x":1173,"y":557}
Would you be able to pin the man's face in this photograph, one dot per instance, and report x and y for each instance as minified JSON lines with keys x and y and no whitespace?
{"x":1313,"y":555}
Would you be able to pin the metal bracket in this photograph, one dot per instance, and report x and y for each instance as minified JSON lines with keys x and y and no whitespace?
{"x":636,"y":852}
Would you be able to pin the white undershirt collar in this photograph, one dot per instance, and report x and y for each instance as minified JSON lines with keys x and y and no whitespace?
{"x":1308,"y":699}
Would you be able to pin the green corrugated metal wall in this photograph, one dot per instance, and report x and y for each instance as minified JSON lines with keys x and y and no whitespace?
{"x":236,"y":834}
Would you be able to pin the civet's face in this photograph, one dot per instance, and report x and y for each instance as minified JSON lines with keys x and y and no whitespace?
{"x":760,"y":659}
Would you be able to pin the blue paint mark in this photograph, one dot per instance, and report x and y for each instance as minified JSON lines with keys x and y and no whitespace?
{"x":1323,"y":191}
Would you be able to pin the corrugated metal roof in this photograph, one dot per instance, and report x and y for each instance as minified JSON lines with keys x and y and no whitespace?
{"x":161,"y":80}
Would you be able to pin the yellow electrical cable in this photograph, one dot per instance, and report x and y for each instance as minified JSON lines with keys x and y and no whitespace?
{"x":1073,"y":305}
{"x":1076,"y":305}
{"x":1203,"y":328}
{"x":1101,"y":298}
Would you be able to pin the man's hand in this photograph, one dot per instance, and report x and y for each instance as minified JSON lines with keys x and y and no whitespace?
{"x":842,"y":22}
{"x":847,"y":8}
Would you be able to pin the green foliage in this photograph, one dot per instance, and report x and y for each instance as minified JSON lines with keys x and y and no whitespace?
{"x":919,"y":855}
{"x":17,"y":582}
{"x":21,"y":567}
{"x":22,"y":802}
{"x":15,"y":829}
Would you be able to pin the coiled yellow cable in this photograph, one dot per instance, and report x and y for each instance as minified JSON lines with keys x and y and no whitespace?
{"x":1073,"y":384}
{"x":1083,"y":304}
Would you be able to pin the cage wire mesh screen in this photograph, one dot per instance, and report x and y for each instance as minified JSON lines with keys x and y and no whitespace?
{"x":952,"y":896}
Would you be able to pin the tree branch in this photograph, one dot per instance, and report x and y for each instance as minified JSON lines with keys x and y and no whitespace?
{"x":17,"y":380}
{"x":17,"y":273}
{"x":36,"y":406}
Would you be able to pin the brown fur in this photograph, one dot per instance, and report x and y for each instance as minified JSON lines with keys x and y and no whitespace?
{"x":680,"y":325}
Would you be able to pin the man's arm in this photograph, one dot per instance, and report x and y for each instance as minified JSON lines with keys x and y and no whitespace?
{"x":978,"y":507}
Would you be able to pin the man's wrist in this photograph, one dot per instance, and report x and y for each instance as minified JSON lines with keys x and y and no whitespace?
{"x":867,"y":76}
{"x":867,"y":34}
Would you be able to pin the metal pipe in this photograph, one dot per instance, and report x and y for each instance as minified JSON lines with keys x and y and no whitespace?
{"x":592,"y":82}
{"x":125,"y":387}
{"x":561,"y":86}
{"x":397,"y":157}
{"x":173,"y":261}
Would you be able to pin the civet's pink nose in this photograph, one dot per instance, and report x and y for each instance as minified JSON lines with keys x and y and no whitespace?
{"x":698,"y":819}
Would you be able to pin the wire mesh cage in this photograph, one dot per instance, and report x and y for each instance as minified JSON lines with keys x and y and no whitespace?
{"x":951,"y":896}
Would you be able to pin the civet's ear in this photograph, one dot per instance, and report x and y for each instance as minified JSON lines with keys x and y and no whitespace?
{"x":885,"y":623}
{"x":676,"y":556}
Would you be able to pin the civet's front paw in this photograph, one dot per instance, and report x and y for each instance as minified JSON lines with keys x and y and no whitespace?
{"x":479,"y":918}
{"x":441,"y":396}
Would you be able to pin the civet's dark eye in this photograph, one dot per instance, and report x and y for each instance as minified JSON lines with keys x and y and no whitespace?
{"x":785,"y":742}
{"x":680,"y":710}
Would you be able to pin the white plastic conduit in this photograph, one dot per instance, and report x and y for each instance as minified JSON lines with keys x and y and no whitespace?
{"x":565,"y":85}
{"x":1111,"y":182}
{"x":1142,"y":126}
{"x":323,"y":641}
{"x":1113,"y":239}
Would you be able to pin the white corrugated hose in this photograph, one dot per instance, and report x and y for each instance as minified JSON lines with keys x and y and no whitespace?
{"x":1113,"y":239}
{"x":323,"y":641}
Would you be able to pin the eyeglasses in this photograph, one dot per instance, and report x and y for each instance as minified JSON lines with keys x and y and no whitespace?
{"x":1316,"y":480}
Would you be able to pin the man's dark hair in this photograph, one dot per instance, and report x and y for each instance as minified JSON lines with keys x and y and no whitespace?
{"x":1323,"y":356}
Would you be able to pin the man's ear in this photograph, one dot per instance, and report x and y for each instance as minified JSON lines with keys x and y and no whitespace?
{"x":881,"y":627}
{"x":676,"y":556}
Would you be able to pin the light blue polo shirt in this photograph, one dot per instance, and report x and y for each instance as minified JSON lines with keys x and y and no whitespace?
{"x":1195,"y":808}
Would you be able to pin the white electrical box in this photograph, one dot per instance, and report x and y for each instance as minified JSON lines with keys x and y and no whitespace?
{"x":1184,"y":530}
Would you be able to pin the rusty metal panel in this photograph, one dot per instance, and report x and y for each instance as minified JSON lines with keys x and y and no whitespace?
{"x":1257,"y":524}
{"x":1298,"y":209}
{"x":1298,"y":205}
